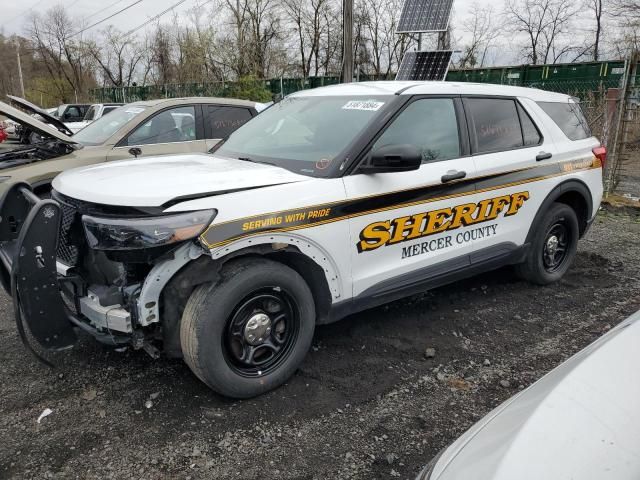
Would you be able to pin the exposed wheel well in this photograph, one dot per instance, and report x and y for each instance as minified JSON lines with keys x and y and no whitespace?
{"x":579,"y":204}
{"x":205,"y":269}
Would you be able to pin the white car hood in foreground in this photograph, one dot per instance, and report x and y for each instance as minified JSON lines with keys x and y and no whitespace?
{"x":154,"y":181}
{"x":579,"y":422}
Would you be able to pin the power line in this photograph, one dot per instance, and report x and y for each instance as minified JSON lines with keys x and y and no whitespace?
{"x":103,"y":9}
{"x":106,"y":18}
{"x":152,"y":19}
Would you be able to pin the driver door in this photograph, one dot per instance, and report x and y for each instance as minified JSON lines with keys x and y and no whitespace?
{"x":397,"y":232}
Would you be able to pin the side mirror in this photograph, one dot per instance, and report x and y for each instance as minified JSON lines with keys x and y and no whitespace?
{"x":135,"y":151}
{"x":393,"y":158}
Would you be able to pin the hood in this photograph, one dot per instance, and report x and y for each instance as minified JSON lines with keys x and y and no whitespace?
{"x":580,"y":421}
{"x":30,"y":107}
{"x":156,"y":181}
{"x":33,"y":123}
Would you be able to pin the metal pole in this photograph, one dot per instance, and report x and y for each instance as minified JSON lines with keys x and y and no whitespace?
{"x":443,"y":40}
{"x":19,"y":67}
{"x":419,"y":42}
{"x":347,"y":41}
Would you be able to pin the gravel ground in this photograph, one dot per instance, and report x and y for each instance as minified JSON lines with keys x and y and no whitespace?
{"x":367,"y":402}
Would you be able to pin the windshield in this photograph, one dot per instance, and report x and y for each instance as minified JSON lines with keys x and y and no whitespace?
{"x":98,"y":132}
{"x":304,"y":134}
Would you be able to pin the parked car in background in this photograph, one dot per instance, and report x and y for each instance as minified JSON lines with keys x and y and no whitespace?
{"x":580,"y":421}
{"x":155,"y":127}
{"x":73,"y":112}
{"x":27,"y":135}
{"x":9,"y":127}
{"x":96,"y":111}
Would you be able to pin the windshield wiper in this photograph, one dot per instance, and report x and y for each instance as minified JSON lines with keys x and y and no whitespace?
{"x":253,"y":160}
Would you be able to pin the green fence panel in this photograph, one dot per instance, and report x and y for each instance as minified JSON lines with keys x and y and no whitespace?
{"x":572,"y":78}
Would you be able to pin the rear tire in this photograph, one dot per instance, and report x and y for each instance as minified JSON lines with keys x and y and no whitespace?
{"x":248,"y":333}
{"x":553,"y":247}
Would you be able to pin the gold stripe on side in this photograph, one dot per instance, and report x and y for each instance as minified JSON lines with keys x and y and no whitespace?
{"x":378,"y":210}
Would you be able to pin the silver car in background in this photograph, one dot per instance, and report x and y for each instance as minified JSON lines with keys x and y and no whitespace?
{"x":581,"y":421}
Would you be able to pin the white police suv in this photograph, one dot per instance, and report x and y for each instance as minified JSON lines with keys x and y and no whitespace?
{"x":334,"y":200}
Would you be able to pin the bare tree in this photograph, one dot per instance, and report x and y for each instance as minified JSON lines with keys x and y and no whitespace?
{"x":62,"y":51}
{"x":545,"y":23}
{"x":596,"y":7}
{"x":309,"y":22}
{"x":626,"y":14}
{"x":483,"y":27}
{"x":117,"y":56}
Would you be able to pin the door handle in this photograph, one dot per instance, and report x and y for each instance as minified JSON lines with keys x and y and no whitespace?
{"x":453,"y":175}
{"x":543,"y":156}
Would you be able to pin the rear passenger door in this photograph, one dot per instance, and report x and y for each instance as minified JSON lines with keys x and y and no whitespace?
{"x":511,"y":154}
{"x":400,"y":221}
{"x":222,"y":120}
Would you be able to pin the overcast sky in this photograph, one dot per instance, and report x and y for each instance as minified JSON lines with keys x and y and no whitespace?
{"x":13,"y":14}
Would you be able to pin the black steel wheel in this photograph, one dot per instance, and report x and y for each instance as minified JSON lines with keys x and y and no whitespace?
{"x":247,"y":333}
{"x":553,"y":245}
{"x":556,"y":244}
{"x":261,"y":331}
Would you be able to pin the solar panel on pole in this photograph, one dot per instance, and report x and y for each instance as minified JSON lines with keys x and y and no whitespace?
{"x":431,"y":65}
{"x":424,"y":16}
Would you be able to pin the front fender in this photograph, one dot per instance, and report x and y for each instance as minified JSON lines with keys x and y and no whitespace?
{"x":307,"y":247}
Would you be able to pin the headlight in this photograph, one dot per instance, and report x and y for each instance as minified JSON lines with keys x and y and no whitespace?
{"x":136,"y":233}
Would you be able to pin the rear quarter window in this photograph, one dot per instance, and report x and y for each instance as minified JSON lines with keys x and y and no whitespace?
{"x":569,"y":118}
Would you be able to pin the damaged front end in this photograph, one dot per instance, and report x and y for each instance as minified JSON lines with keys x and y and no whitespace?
{"x":72,"y":264}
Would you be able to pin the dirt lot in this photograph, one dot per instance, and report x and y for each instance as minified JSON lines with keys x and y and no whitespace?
{"x":366,"y":403}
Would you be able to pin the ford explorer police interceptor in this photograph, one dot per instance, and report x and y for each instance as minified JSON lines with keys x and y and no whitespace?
{"x":333,"y":201}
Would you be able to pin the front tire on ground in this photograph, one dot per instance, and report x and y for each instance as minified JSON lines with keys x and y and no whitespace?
{"x":553,"y":246}
{"x":247,"y":333}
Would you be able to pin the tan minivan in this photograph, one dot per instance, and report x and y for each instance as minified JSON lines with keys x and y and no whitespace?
{"x":154,"y":127}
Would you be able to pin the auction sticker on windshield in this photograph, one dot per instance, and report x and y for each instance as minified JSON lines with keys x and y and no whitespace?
{"x":371,"y":105}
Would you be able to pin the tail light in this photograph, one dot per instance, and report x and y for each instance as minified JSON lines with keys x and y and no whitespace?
{"x":601,"y":154}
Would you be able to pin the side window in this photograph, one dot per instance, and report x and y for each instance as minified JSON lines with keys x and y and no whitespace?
{"x":91,"y":113}
{"x":569,"y":117}
{"x":223,"y":121}
{"x":495,"y":123}
{"x":73,"y":114}
{"x":430,"y":124}
{"x":530,"y":133}
{"x":169,"y":126}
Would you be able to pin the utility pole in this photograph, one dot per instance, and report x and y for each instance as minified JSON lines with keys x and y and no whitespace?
{"x":347,"y":41}
{"x":19,"y":67}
